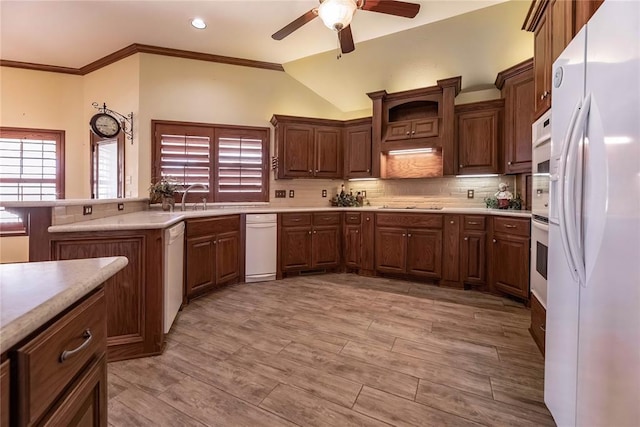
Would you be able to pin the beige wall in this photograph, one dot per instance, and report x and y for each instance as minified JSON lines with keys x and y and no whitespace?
{"x":196,"y":91}
{"x":117,"y":85}
{"x":36,"y":99}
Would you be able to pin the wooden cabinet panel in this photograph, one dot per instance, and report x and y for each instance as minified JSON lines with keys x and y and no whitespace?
{"x":352,"y":218}
{"x":473,"y":257}
{"x":425,"y":128}
{"x":391,"y":249}
{"x":397,"y":131}
{"x":479,"y":133}
{"x":295,"y":248}
{"x":210,"y":226}
{"x":328,"y":153}
{"x":510,"y":264}
{"x":325,"y":246}
{"x":352,"y":246}
{"x":409,"y":220}
{"x":357,"y":152}
{"x":584,"y":9}
{"x":474,"y":222}
{"x":133,"y":295}
{"x":326,"y":218}
{"x":85,"y":405}
{"x":367,"y":256}
{"x":5,"y":386}
{"x":538,"y":322}
{"x":561,"y":26}
{"x":451,"y":250}
{"x":296,"y":219}
{"x":518,"y":226}
{"x":297,"y":151}
{"x":424,"y":253}
{"x":200,"y":268}
{"x":227,"y":256}
{"x":542,"y":64}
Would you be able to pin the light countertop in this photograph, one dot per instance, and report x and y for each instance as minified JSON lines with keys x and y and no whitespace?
{"x":33,"y":293}
{"x":66,"y":202}
{"x":154,"y":219}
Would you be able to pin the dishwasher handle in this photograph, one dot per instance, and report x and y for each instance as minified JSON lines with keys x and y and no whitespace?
{"x":265,"y":225}
{"x":176,"y":232}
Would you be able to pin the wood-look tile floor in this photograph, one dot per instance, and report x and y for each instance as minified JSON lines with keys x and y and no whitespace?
{"x":337,"y":350}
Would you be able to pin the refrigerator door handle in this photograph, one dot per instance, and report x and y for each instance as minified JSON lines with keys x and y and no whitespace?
{"x":561,"y":192}
{"x":573,"y":192}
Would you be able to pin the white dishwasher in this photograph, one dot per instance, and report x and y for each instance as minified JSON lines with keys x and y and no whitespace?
{"x":173,"y":272}
{"x":261,"y":247}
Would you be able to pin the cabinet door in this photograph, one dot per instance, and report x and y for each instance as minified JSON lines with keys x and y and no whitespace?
{"x":424,"y":128}
{"x":542,"y":65}
{"x":391,"y":249}
{"x":561,"y":26}
{"x":451,"y":250}
{"x":584,"y":9}
{"x":4,"y":394}
{"x":398,"y":131}
{"x":326,"y":246}
{"x":518,"y":120}
{"x":200,"y":264}
{"x":86,"y":403}
{"x":473,"y":257}
{"x":328,"y":153}
{"x":478,"y":139}
{"x":227,"y":256}
{"x":358,"y":152}
{"x":424,"y":253}
{"x":367,"y":254}
{"x":295,"y":248}
{"x":352,"y":246}
{"x":510,"y":264}
{"x":297,"y":151}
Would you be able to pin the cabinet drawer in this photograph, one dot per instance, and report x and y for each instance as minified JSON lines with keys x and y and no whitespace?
{"x":206,"y":226}
{"x":517,"y":226}
{"x":296,"y":219}
{"x":538,"y":322}
{"x":49,"y":362}
{"x":352,"y":218}
{"x":413,"y":220}
{"x":326,"y":218}
{"x":474,"y":222}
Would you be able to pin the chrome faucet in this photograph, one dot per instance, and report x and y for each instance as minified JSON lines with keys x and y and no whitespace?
{"x":184,"y":195}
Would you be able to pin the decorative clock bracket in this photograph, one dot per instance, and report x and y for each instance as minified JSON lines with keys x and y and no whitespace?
{"x":126,"y":121}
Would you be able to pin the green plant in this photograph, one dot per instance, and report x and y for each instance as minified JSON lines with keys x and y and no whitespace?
{"x":162,"y":188}
{"x":491,"y":202}
{"x":514,"y":204}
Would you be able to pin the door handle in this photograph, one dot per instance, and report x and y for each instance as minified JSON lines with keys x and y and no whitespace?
{"x":68,"y":353}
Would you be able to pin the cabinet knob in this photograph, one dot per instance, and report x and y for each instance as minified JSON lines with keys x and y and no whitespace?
{"x":368,"y":219}
{"x":509,"y":163}
{"x":317,"y":171}
{"x":315,"y":232}
{"x":466,"y":238}
{"x":409,"y":234}
{"x":215,"y":242}
{"x":309,"y":231}
{"x":413,"y":132}
{"x":460,"y":166}
{"x":368,"y":170}
{"x":403,"y":235}
{"x":310,"y":171}
{"x":357,"y":231}
{"x":408,"y":133}
{"x":494,"y":240}
{"x":544,"y":95}
{"x":451,"y":222}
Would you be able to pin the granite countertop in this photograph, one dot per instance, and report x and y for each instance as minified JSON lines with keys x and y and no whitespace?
{"x":153,"y":219}
{"x":33,"y":293}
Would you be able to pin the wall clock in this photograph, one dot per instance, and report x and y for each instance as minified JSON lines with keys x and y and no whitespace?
{"x":104,"y":125}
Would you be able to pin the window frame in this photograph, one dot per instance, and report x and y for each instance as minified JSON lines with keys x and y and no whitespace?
{"x":22,"y":228}
{"x":213,"y":131}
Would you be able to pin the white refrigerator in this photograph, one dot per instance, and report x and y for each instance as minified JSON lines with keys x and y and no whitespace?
{"x":592,"y":364}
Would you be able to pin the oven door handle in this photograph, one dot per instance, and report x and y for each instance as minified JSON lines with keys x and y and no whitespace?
{"x":540,"y":141}
{"x":540,"y":226}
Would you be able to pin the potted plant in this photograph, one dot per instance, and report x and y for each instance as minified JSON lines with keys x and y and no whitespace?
{"x":163,"y":191}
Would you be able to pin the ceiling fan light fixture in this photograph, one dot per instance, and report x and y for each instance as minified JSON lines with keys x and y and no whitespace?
{"x":337,"y":14}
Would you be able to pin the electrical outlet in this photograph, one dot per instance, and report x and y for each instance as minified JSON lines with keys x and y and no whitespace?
{"x":324,"y":193}
{"x":470,"y":194}
{"x":364,"y":193}
{"x":281,"y":194}
{"x":120,"y":206}
{"x":292,"y":194}
{"x":87,"y":210}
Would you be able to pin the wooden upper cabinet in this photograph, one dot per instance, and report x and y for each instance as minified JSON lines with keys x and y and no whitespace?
{"x":328,"y":153}
{"x":583,"y":10}
{"x":517,"y":86}
{"x":297,"y":151}
{"x":357,"y":151}
{"x":542,"y":65}
{"x":561,"y":26}
{"x":479,"y":136}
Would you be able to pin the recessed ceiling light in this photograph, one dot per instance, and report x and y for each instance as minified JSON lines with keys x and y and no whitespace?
{"x":198,"y":23}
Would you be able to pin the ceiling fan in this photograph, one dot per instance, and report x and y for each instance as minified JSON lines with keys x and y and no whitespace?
{"x":337,"y":15}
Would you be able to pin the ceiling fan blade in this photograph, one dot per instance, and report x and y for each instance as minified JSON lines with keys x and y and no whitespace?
{"x":294,"y":25}
{"x":391,"y":7}
{"x":346,"y":40}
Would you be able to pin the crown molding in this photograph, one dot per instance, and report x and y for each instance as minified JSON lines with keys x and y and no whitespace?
{"x":511,"y":72}
{"x":142,"y":48}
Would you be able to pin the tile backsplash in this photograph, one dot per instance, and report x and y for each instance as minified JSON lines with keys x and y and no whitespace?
{"x":62,"y":215}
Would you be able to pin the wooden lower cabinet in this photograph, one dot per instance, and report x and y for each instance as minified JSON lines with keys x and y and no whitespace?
{"x":134,"y":295}
{"x":538,"y":328}
{"x":367,"y":248}
{"x":451,"y":251}
{"x":212,"y":254}
{"x":391,"y":250}
{"x":473,"y":257}
{"x":314,"y":244}
{"x":49,"y":387}
{"x":510,"y":264}
{"x":424,"y":253}
{"x":352,"y":246}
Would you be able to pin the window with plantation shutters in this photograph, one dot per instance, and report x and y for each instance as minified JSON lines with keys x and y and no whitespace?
{"x":230,"y":160}
{"x":31,"y":168}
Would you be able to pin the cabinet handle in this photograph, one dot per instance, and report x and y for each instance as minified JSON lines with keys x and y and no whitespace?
{"x":403,"y":234}
{"x":452,"y":222}
{"x":215,"y":242}
{"x":466,"y":238}
{"x":309,"y":231}
{"x":543,"y":329}
{"x":473,"y":223}
{"x":368,"y":170}
{"x":544,"y":95}
{"x":460,"y":166}
{"x":353,"y":217}
{"x":295,"y":220}
{"x":368,"y":219}
{"x":409,"y":234}
{"x":315,"y":232}
{"x":68,"y":353}
{"x":408,"y":133}
{"x":317,"y":170}
{"x":357,"y":231}
{"x":310,"y":171}
{"x":509,"y":163}
{"x":494,"y":240}
{"x":509,"y":226}
{"x":413,"y":132}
